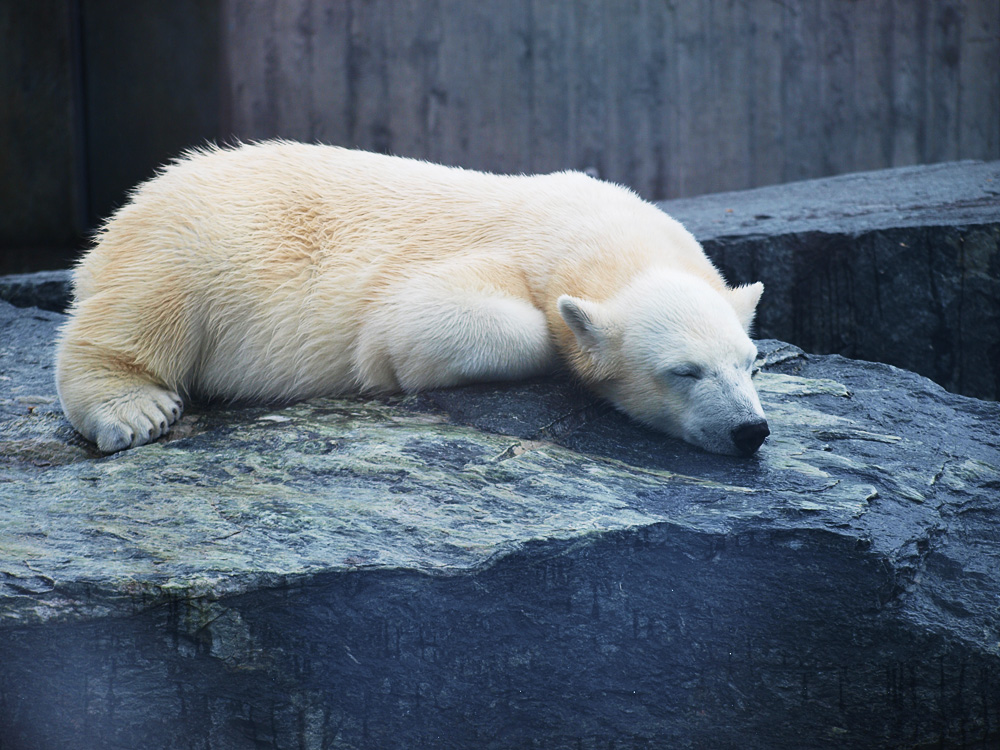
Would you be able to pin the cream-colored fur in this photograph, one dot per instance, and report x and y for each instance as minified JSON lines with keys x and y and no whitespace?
{"x":283,"y":271}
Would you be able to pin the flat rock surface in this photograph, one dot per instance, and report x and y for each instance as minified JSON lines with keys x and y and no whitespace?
{"x":949,"y":194}
{"x":497,"y":566}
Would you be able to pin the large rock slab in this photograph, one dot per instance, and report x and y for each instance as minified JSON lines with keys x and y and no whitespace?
{"x":899,"y":265}
{"x":502,"y":567}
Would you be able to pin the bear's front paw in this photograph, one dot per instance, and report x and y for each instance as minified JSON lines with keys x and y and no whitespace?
{"x":135,"y":418}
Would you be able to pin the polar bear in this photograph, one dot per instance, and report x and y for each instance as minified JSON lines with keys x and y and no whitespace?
{"x":281,"y":270}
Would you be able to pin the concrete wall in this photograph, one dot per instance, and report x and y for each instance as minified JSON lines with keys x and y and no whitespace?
{"x":94,"y":94}
{"x":674,"y":99}
{"x":41,"y":195}
{"x":151,"y":83}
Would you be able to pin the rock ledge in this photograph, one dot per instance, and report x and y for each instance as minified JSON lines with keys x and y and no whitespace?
{"x":502,"y":567}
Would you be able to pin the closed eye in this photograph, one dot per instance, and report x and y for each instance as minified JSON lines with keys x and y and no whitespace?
{"x":691,"y":372}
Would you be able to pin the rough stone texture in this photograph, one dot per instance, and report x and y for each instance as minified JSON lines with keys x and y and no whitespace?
{"x":899,"y":266}
{"x":502,"y":567}
{"x":49,"y":290}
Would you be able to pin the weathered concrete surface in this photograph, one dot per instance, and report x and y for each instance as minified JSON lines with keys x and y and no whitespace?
{"x":673,"y":99}
{"x":41,"y":138}
{"x":899,"y":266}
{"x":502,"y":567}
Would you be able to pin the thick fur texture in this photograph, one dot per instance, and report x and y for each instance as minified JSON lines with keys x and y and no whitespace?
{"x":283,"y":271}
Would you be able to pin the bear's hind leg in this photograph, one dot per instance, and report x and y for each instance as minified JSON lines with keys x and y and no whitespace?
{"x":122,"y":411}
{"x":111,"y":398}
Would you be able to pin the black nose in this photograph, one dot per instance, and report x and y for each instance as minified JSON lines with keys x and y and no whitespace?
{"x":749,"y":436}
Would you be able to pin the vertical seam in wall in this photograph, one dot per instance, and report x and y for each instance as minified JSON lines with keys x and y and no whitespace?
{"x":963,"y":19}
{"x":78,"y":85}
{"x":925,"y":96}
{"x":225,"y":104}
{"x":890,"y":145}
{"x":351,"y":64}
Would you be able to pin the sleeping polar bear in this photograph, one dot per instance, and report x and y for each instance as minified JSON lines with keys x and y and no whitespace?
{"x":282,"y":270}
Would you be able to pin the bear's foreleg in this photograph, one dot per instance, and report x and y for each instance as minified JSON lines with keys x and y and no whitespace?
{"x":451,"y":328}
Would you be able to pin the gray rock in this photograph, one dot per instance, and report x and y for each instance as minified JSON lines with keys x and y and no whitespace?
{"x":899,"y":266}
{"x":49,"y":290}
{"x":502,"y":567}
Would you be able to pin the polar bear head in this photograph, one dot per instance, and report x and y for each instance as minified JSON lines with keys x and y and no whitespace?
{"x":673,"y":352}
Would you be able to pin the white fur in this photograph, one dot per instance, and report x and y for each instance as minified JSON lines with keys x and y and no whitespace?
{"x":284,"y":271}
{"x":683,"y":367}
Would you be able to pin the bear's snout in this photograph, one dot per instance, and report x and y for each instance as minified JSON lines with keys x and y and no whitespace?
{"x":749,"y":436}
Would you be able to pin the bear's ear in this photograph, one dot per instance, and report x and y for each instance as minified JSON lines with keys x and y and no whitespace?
{"x":584,"y":320}
{"x":744,"y":300}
